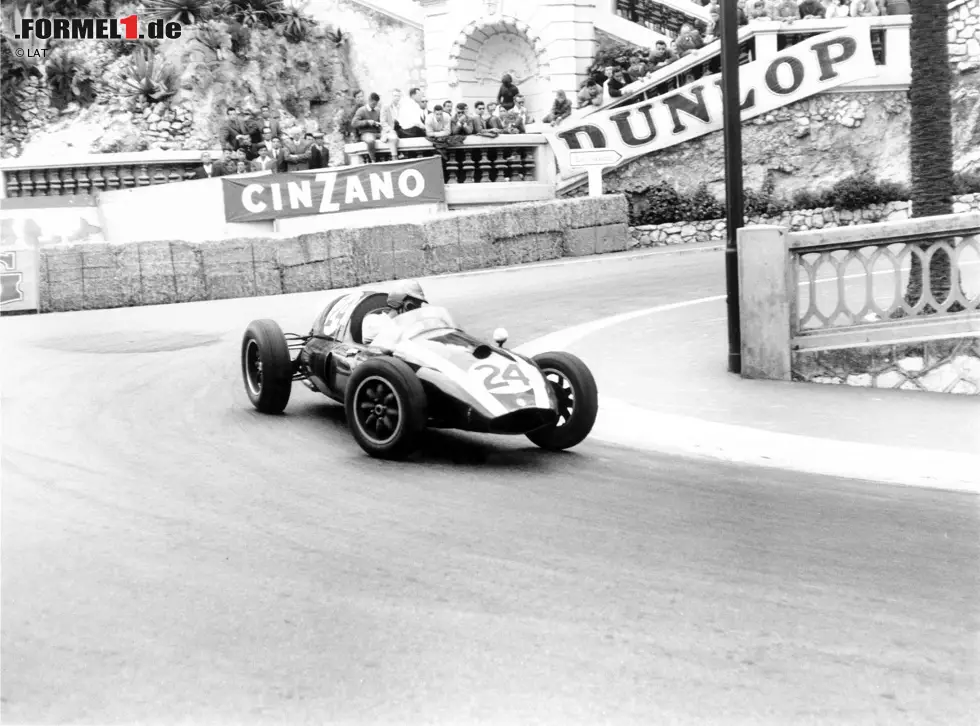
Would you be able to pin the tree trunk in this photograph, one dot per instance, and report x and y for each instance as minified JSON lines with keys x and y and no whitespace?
{"x":931,"y":140}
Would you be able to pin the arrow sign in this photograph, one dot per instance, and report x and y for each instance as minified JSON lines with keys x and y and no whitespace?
{"x":580,"y":158}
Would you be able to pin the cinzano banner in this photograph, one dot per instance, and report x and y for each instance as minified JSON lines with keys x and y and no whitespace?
{"x":322,"y":191}
{"x":813,"y":66}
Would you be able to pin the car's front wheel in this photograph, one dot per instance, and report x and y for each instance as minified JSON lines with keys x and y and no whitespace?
{"x":266,"y":368}
{"x":578,"y":401}
{"x":386,"y":408}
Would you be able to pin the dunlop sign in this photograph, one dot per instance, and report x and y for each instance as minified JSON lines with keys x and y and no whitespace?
{"x":374,"y":186}
{"x":813,"y":66}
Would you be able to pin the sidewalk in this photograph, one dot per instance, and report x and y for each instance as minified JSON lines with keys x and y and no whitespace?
{"x":664,"y":384}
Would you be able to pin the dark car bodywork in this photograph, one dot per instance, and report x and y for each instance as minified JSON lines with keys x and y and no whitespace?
{"x":469,"y":384}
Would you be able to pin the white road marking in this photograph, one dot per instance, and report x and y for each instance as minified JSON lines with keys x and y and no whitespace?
{"x":628,"y":425}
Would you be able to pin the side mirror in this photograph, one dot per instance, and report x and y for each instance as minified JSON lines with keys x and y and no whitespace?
{"x":500,"y":336}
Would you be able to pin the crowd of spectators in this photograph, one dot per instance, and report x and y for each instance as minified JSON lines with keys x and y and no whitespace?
{"x":607,"y":83}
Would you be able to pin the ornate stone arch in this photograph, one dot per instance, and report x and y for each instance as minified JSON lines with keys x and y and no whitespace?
{"x":468,"y":54}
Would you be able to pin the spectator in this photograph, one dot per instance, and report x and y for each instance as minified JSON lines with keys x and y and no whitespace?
{"x":785,"y":11}
{"x":245,"y":145}
{"x":270,"y":121}
{"x":264,"y":161}
{"x":267,"y":136}
{"x":561,"y":109}
{"x":298,"y":148}
{"x":437,"y":124}
{"x":233,"y":128}
{"x":689,"y":40}
{"x":241,"y":156}
{"x":279,"y":156}
{"x":367,"y":124}
{"x":240,"y":167}
{"x":480,"y":117}
{"x":661,"y":56}
{"x":319,"y":155}
{"x":864,"y":8}
{"x":207,"y":170}
{"x":590,"y":94}
{"x":508,"y":92}
{"x":389,"y":122}
{"x":228,"y":163}
{"x":411,"y":116}
{"x":511,"y":123}
{"x":522,"y":110}
{"x":838,"y":9}
{"x":812,"y":9}
{"x":462,"y":124}
{"x":253,"y":126}
{"x":447,"y":108}
{"x":637,"y":68}
{"x":615,"y":85}
{"x":756,"y":10}
{"x":493,"y":111}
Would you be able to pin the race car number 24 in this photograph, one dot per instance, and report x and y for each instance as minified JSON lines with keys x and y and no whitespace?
{"x":508,"y":379}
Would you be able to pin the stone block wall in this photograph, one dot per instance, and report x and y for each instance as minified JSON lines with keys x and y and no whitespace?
{"x":964,"y":35}
{"x":939,"y":366}
{"x":89,"y":276}
{"x":673,"y":233}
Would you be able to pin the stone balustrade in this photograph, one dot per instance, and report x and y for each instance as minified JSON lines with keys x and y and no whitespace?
{"x":97,"y":172}
{"x":519,"y":167}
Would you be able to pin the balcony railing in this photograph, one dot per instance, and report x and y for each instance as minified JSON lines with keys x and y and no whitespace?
{"x":97,"y":172}
{"x":520,"y":167}
{"x":849,"y":287}
{"x":851,"y":282}
{"x":662,"y":17}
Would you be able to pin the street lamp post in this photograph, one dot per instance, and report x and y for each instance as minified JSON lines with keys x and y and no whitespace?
{"x":734,"y":207}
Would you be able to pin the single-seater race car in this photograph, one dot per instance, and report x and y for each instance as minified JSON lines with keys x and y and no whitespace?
{"x":400,"y":365}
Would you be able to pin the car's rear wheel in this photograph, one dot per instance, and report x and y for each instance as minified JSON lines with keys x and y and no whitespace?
{"x":266,"y":368}
{"x":578,"y":401}
{"x":386,"y":408}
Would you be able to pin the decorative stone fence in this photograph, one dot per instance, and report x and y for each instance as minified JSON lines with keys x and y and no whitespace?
{"x":86,"y":276}
{"x":837,"y":306}
{"x":97,"y":172}
{"x":482,"y":169}
{"x":674,"y":233}
{"x":964,"y":35}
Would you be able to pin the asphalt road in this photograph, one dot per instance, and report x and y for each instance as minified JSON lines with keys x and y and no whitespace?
{"x":169,"y":555}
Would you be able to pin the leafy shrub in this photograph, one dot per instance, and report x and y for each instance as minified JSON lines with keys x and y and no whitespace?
{"x":148,"y":78}
{"x":241,"y":37}
{"x":807,"y":199}
{"x":185,"y":12}
{"x":657,"y":204}
{"x":701,"y":205}
{"x":212,"y":38}
{"x":252,"y":13}
{"x":613,"y":55}
{"x":295,"y":25}
{"x":69,"y":79}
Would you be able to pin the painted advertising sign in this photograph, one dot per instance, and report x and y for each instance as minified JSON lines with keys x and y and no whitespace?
{"x":348,"y":189}
{"x":26,"y":225}
{"x":813,"y":66}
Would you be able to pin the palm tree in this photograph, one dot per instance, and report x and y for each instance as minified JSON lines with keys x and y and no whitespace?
{"x":931,"y":142}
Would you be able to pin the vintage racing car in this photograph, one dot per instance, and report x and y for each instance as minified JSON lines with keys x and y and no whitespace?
{"x":420,"y":371}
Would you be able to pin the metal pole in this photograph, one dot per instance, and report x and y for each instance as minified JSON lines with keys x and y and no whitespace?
{"x":734,"y":208}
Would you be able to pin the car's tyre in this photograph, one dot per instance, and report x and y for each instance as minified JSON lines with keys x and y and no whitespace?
{"x":266,"y":368}
{"x":578,"y":401}
{"x":386,"y":408}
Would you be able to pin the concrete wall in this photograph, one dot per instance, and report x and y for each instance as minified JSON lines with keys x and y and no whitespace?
{"x":87,"y":276}
{"x":191,"y":211}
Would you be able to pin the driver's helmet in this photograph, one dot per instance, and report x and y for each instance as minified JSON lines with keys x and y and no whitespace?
{"x":408,"y":296}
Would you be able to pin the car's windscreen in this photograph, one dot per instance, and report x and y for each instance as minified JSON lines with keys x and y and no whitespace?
{"x":413,"y":323}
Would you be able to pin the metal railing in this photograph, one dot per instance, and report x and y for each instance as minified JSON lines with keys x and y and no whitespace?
{"x":852,"y":283}
{"x":97,"y":172}
{"x":665,"y":18}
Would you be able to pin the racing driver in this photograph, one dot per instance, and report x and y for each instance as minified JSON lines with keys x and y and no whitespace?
{"x":407,"y":297}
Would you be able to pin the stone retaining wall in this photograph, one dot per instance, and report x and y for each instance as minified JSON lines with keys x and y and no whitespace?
{"x":940,"y":366}
{"x":88,"y":276}
{"x":673,"y":233}
{"x":964,"y":35}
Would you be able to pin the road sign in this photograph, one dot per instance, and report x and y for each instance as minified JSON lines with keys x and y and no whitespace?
{"x":594,"y":157}
{"x":594,"y":161}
